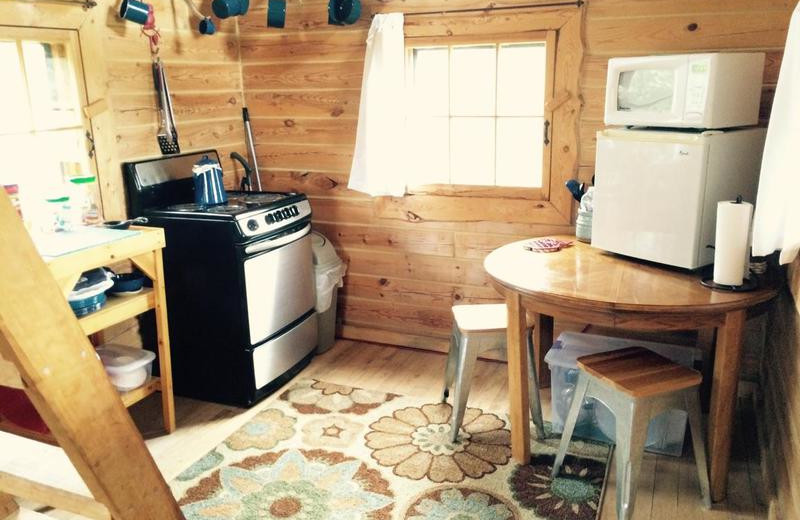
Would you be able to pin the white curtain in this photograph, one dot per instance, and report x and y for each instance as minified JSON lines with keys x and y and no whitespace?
{"x":776,"y":224}
{"x":378,"y":167}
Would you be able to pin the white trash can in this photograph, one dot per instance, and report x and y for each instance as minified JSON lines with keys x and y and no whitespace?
{"x":665,"y":433}
{"x":329,"y":271}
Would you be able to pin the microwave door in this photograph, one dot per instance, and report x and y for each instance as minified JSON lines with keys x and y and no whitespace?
{"x":647,"y":91}
{"x":647,"y":198}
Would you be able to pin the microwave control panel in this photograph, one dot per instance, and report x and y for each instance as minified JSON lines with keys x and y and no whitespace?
{"x":697,"y":87}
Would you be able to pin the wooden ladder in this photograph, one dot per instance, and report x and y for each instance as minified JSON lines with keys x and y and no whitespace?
{"x":67,"y":384}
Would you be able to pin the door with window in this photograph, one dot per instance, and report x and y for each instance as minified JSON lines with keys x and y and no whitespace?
{"x":45,"y":138}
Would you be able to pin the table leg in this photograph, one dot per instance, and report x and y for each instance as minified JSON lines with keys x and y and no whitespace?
{"x":542,"y":341}
{"x":164,"y":355}
{"x":728,"y":360}
{"x":519,"y":411}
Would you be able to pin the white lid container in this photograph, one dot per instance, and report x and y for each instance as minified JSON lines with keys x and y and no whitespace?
{"x":571,"y":345}
{"x":127,"y":367}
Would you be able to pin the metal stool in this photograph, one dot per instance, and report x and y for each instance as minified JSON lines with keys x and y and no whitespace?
{"x":476,"y":329}
{"x":637,"y":384}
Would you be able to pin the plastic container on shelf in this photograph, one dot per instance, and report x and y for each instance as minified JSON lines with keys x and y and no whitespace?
{"x":666,"y":432}
{"x":329,"y":270}
{"x":127,"y":367}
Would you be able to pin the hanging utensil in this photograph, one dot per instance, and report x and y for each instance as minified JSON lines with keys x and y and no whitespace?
{"x":167,"y":133}
{"x":248,"y":132}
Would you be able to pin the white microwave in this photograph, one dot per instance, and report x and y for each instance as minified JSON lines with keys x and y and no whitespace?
{"x":704,"y":91}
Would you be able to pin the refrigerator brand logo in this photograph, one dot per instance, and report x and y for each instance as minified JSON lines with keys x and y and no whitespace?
{"x":683,"y":152}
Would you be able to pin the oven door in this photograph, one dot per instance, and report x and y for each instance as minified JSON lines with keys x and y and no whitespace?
{"x":279,"y":282}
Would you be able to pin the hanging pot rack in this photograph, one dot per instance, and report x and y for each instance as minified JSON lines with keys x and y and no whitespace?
{"x":85,"y":4}
{"x":573,"y":3}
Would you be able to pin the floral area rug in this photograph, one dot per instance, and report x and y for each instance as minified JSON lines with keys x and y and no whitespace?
{"x":321,"y":451}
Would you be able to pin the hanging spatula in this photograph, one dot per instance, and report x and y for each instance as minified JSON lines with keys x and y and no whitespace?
{"x":167,"y":133}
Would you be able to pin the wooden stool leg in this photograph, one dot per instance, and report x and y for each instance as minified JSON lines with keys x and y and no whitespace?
{"x":572,"y":418}
{"x":692,"y":398}
{"x":8,"y":506}
{"x":467,"y":356}
{"x":450,"y":366}
{"x":533,"y":389}
{"x":632,"y":420}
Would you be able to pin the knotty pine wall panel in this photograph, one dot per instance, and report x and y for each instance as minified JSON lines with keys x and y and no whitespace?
{"x":780,"y":414}
{"x":302,"y":85}
{"x":204,"y":75}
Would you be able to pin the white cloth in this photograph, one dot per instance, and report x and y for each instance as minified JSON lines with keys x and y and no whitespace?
{"x":776,"y":224}
{"x":378,"y":166}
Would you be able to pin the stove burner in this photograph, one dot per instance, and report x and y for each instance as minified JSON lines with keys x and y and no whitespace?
{"x":191,"y":206}
{"x":259,"y":199}
{"x":230,"y":208}
{"x":225,"y":208}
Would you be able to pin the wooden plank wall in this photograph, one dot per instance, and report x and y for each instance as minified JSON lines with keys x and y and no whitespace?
{"x":780,"y":415}
{"x":204,"y":76}
{"x":302,"y":85}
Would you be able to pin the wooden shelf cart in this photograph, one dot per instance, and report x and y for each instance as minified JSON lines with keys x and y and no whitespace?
{"x":144,"y":251}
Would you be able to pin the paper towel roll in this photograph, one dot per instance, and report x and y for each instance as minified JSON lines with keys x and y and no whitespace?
{"x":730,"y":245}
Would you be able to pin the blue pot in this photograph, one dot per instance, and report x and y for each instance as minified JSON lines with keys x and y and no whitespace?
{"x":206,"y":26}
{"x":276,"y":13}
{"x":226,"y":8}
{"x":343,"y":12}
{"x":208,"y":189}
{"x":134,"y":11}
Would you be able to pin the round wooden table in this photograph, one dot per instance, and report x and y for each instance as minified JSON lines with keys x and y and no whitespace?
{"x":587,"y":285}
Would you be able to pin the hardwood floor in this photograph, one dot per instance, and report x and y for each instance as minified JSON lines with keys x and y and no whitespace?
{"x":668,"y":488}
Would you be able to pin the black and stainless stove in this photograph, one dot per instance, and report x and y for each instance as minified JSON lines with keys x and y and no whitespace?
{"x":239,"y":281}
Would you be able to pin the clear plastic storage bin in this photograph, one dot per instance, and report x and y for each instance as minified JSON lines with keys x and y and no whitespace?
{"x":127,"y":367}
{"x":665,"y":433}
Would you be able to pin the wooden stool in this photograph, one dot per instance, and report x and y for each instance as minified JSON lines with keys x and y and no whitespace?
{"x":477,"y":329}
{"x":637,"y":384}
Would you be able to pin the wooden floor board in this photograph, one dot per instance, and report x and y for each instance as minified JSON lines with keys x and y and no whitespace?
{"x":668,"y":488}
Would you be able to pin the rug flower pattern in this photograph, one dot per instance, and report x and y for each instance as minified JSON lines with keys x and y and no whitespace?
{"x":325,"y":451}
{"x":417,"y":443}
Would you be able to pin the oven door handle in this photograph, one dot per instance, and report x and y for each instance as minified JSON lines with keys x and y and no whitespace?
{"x":267,"y":245}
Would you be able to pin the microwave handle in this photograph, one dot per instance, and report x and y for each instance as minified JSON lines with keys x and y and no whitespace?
{"x":546,"y":132}
{"x":266,"y":245}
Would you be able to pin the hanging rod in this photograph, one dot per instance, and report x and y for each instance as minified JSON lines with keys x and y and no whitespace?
{"x":575,"y":3}
{"x":85,"y":4}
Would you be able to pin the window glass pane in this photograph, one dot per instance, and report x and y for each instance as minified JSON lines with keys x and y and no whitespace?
{"x":519,"y":151}
{"x":521,"y":79}
{"x":473,"y":80}
{"x":430,"y":81}
{"x":430,"y":142}
{"x":472,"y":150}
{"x":51,"y":83}
{"x":14,"y":101}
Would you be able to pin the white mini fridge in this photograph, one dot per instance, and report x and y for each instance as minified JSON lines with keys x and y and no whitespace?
{"x":656,"y":191}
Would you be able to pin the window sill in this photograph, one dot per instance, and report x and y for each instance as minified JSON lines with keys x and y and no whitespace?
{"x":467,"y":190}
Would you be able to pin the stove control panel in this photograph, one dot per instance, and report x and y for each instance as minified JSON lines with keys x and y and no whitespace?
{"x":268,"y":221}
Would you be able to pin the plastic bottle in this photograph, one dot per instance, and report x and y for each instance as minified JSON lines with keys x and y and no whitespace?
{"x":58,"y":215}
{"x":85,"y":210}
